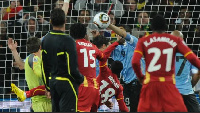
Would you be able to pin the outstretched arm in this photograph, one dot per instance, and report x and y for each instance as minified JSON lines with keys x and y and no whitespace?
{"x":13,"y":47}
{"x":66,"y":6}
{"x":117,"y":30}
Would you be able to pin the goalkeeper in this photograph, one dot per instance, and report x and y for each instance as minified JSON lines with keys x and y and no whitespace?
{"x":33,"y":73}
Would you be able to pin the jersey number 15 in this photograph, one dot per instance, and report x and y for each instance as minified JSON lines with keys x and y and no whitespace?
{"x":86,"y":59}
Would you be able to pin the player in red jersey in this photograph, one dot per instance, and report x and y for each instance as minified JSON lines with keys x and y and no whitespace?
{"x":108,"y":78}
{"x":87,"y":55}
{"x":158,"y":92}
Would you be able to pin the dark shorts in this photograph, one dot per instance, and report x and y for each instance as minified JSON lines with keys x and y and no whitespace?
{"x":131,"y":95}
{"x":191,"y":103}
{"x":63,"y":95}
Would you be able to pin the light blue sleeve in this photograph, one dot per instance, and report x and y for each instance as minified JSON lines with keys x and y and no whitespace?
{"x":194,"y":69}
{"x":132,"y":40}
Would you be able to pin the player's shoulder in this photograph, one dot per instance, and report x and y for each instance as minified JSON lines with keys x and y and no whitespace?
{"x":36,"y":58}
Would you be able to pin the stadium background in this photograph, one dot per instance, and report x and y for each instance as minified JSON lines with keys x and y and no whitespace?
{"x":15,"y":26}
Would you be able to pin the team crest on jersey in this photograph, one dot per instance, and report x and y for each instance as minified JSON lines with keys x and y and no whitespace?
{"x":35,"y":59}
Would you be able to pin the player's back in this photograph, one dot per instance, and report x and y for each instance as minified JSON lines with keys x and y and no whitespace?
{"x":159,"y":53}
{"x":109,"y":85}
{"x":87,"y":55}
{"x":56,"y":50}
{"x":33,"y":75}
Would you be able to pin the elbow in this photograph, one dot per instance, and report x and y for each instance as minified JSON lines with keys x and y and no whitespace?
{"x":135,"y":65}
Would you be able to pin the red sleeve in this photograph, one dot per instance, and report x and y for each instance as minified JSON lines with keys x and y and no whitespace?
{"x":109,"y":50}
{"x":138,"y":53}
{"x":188,"y":54}
{"x":99,"y":54}
{"x":120,"y":100}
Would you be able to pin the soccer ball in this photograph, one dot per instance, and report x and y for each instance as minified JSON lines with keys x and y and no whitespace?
{"x":101,"y":20}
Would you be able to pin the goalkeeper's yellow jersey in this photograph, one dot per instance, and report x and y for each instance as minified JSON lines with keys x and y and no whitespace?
{"x":33,"y":75}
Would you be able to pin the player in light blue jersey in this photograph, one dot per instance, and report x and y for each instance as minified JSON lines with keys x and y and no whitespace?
{"x":186,"y":77}
{"x":124,"y":53}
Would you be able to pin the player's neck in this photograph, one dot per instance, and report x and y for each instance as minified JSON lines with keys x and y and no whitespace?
{"x":59,"y":28}
{"x":37,"y":53}
{"x":159,"y":32}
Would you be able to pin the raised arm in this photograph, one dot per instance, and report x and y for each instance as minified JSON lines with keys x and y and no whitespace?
{"x":13,"y":47}
{"x":80,"y":4}
{"x":117,"y":30}
{"x":66,"y":6}
{"x":118,"y":9}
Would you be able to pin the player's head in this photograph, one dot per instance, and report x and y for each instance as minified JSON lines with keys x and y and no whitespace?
{"x":33,"y":44}
{"x":158,"y":23}
{"x":57,"y":17}
{"x":177,"y":33}
{"x":101,"y":42}
{"x":78,"y":31}
{"x":116,"y":67}
{"x":84,"y":17}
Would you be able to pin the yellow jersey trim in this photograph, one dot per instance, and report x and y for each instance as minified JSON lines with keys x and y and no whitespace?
{"x":187,"y":53}
{"x":38,"y":90}
{"x":95,"y":83}
{"x":173,"y":78}
{"x":68,"y":66}
{"x":63,"y":78}
{"x":147,"y":79}
{"x":43,"y":75}
{"x":85,"y":82}
{"x":120,"y":98}
{"x":57,"y":33}
{"x":44,"y":51}
{"x":104,"y":65}
{"x":162,"y":79}
{"x":139,"y":52}
{"x":60,"y":53}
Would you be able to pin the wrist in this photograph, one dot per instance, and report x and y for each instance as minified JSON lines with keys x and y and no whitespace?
{"x":66,"y":1}
{"x":14,"y":50}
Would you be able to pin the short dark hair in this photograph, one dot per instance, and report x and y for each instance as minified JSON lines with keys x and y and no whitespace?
{"x":78,"y":31}
{"x":100,"y":40}
{"x":158,"y":23}
{"x":33,"y":44}
{"x":57,"y":17}
{"x":116,"y":67}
